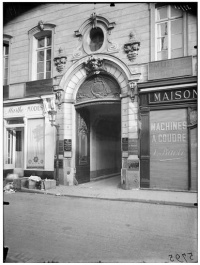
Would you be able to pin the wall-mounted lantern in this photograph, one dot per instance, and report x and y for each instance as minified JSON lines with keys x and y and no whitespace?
{"x":132,"y":47}
{"x":58,"y":91}
{"x":51,"y":105}
{"x":52,"y":118}
{"x":60,"y":61}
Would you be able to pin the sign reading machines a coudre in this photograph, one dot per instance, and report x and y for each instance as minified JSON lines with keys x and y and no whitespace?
{"x":168,"y":148}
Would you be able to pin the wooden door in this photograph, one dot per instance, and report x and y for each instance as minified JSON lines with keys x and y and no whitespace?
{"x":82,"y":146}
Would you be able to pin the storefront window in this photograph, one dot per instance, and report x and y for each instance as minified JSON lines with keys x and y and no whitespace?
{"x":9,"y":149}
{"x":194,"y":158}
{"x":169,"y":149}
{"x":35,"y":146}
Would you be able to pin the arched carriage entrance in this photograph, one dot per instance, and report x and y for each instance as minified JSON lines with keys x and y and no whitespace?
{"x":95,"y":117}
{"x":98,"y":128}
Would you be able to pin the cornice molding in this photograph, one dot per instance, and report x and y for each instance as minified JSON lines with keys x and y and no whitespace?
{"x":41,"y":27}
{"x":99,"y":19}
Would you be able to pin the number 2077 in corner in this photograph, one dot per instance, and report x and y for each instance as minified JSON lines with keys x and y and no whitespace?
{"x":184,"y":257}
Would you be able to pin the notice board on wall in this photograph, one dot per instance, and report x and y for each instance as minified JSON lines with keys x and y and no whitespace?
{"x":169,"y":149}
{"x":67,"y":145}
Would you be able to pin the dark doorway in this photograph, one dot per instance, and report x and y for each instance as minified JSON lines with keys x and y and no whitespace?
{"x":98,"y":141}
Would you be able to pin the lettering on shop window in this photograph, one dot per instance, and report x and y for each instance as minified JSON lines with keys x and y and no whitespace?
{"x":168,"y":140}
{"x":174,"y":95}
{"x":172,"y":136}
{"x":169,"y":149}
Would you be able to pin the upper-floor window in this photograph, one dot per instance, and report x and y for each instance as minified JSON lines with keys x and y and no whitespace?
{"x":41,"y":40}
{"x":44,"y":57}
{"x":7,"y":42}
{"x":5,"y":63}
{"x":169,"y":32}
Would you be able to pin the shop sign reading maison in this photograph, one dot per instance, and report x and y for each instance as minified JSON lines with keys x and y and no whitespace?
{"x":173,"y":95}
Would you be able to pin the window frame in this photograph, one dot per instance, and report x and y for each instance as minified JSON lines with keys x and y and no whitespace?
{"x":86,"y":39}
{"x":12,"y":128}
{"x":44,"y":49}
{"x":153,"y":31}
{"x":7,"y":40}
{"x":34,"y":34}
{"x":169,"y":19}
{"x":5,"y":57}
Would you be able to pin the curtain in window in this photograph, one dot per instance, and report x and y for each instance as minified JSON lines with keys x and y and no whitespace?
{"x":35,"y":143}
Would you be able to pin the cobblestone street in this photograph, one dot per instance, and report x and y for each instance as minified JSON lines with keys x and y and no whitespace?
{"x":40,"y":228}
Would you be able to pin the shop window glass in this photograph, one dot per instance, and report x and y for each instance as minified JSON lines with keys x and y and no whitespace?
{"x":18,"y":141}
{"x":169,"y":149}
{"x":9,"y":149}
{"x":35,"y":146}
{"x":194,"y":158}
{"x":19,"y":156}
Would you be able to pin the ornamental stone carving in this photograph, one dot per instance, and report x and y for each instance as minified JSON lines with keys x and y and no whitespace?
{"x":98,"y":87}
{"x":132,"y":47}
{"x":133,"y":90}
{"x":93,"y":65}
{"x":41,"y":25}
{"x":84,"y":34}
{"x":60,"y":61}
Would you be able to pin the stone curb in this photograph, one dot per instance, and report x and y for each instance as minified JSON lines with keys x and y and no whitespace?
{"x":181,"y":204}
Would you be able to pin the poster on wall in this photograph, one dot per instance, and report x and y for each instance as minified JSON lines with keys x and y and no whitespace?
{"x":169,"y":149}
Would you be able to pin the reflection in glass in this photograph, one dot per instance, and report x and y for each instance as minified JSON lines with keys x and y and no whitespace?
{"x":40,"y":67}
{"x":162,"y":13}
{"x":176,"y":12}
{"x":48,"y":66}
{"x":49,"y":54}
{"x":40,"y":56}
{"x":41,"y":43}
{"x":48,"y":41}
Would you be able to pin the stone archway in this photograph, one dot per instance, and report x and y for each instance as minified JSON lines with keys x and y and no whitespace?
{"x":71,"y":82}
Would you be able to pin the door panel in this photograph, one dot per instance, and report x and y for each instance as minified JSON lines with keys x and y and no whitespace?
{"x":83,"y":146}
{"x":19,"y":149}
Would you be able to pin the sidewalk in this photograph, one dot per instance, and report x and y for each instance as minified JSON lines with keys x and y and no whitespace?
{"x":109,"y":189}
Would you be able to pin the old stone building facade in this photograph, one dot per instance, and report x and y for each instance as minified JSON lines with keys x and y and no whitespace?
{"x":121,"y":81}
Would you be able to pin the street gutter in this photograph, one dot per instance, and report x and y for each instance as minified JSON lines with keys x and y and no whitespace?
{"x":181,"y":204}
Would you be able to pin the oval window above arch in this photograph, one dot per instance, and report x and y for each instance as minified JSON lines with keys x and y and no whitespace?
{"x":94,"y":35}
{"x":96,"y":39}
